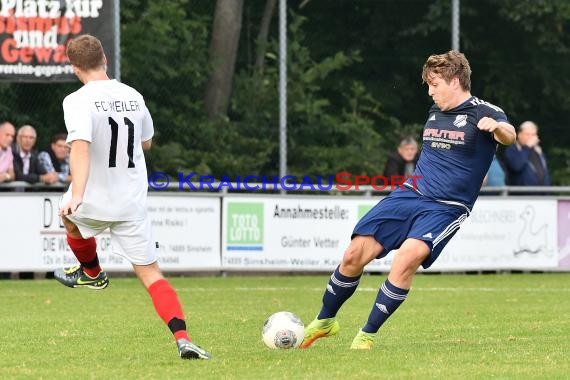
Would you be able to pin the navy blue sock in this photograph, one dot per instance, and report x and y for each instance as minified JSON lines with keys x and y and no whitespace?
{"x":387,"y":301}
{"x":339,"y":289}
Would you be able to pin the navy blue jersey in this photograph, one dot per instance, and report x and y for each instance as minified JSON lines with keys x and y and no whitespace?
{"x":455,"y":154}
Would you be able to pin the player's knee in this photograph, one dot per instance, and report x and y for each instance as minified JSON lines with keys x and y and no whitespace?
{"x":360,"y":252}
{"x":408,"y":259}
{"x":352,"y":256}
{"x":148,"y":274}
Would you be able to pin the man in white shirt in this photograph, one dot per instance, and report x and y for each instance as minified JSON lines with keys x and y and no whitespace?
{"x":7,"y":132}
{"x":108,"y":127}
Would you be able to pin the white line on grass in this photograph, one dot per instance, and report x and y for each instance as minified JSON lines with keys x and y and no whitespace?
{"x":488,"y":289}
{"x":437,"y":289}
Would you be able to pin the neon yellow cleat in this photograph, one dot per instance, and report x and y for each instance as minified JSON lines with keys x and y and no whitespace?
{"x":75,"y":277}
{"x":363,"y":341}
{"x":319,"y":328}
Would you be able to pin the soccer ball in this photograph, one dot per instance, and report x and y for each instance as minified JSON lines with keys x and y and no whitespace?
{"x":283,"y":330}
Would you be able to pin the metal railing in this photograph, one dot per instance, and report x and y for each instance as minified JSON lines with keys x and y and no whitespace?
{"x":366,"y":190}
{"x":18,"y":186}
{"x":238,"y":187}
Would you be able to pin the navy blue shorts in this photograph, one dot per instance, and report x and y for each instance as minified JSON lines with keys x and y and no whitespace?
{"x":406,"y":214}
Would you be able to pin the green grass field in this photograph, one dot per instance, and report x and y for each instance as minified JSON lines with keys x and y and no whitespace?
{"x":514,"y":326}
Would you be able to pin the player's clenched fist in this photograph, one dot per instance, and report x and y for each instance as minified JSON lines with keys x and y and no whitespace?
{"x":487,"y":124}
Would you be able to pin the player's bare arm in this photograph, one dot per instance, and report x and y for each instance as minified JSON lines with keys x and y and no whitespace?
{"x":503,"y":132}
{"x":79,"y":167}
{"x":146,"y":144}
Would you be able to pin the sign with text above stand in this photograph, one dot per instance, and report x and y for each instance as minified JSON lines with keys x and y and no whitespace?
{"x":34,"y":36}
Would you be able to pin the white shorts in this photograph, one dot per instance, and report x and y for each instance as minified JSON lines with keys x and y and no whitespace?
{"x":131,"y":239}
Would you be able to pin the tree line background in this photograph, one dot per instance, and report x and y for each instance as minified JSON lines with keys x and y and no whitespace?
{"x":209,"y":74}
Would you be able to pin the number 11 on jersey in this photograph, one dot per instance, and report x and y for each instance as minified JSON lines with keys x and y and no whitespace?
{"x":115,"y":135}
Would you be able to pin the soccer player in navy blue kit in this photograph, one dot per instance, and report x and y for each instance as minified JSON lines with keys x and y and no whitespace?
{"x":459,"y":140}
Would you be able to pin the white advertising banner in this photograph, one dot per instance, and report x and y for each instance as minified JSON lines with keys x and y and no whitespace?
{"x":187,"y":230}
{"x":293,"y":233}
{"x":288,"y":233}
{"x":311,"y":233}
{"x":505,"y":234}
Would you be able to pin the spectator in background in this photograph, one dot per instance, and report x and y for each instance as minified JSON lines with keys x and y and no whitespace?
{"x":56,"y":158}
{"x":26,"y":164}
{"x":525,"y":161}
{"x":7,"y":132}
{"x":403,"y":161}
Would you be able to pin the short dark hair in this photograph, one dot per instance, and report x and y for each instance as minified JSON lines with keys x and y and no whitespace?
{"x":59,"y":136}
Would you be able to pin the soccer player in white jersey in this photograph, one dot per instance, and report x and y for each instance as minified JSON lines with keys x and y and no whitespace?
{"x":108,"y":127}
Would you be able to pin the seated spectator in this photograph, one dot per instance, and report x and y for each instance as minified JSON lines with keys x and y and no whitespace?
{"x":26,"y":164}
{"x":496,"y":174}
{"x":7,"y":132}
{"x":525,"y":160}
{"x":403,"y":161}
{"x":56,"y":158}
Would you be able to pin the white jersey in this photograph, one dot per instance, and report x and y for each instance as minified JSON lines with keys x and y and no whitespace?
{"x":115,"y":120}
